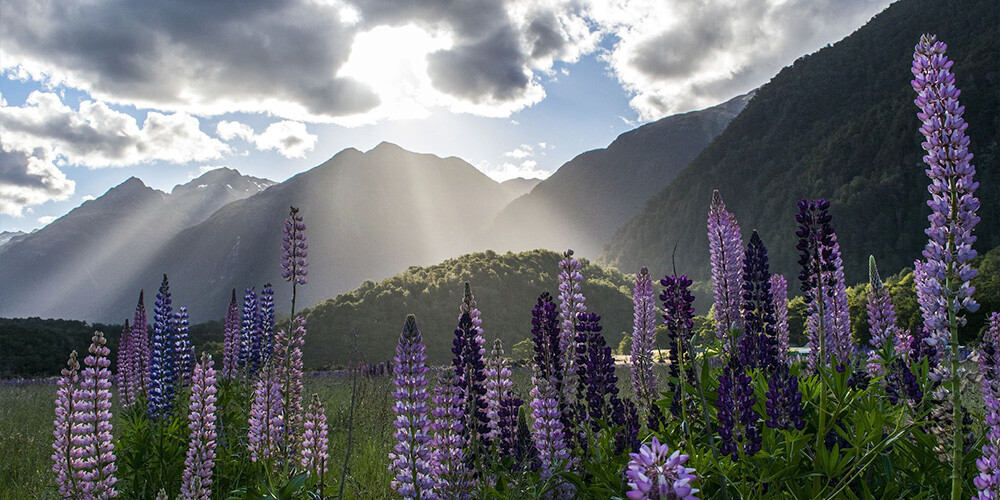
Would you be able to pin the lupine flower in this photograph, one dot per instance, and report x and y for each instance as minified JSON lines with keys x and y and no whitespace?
{"x":294,"y":252}
{"x":94,"y":443}
{"x":738,"y":422}
{"x":596,"y":371}
{"x":655,"y":473}
{"x":162,"y":371}
{"x":314,"y":439}
{"x":901,"y":379}
{"x":784,"y":402}
{"x":196,"y":482}
{"x":571,"y":304}
{"x":449,"y":468}
{"x":469,"y":367}
{"x":547,"y":429}
{"x":725,"y":245}
{"x":140,"y":360}
{"x":231,"y":342}
{"x":759,"y":346}
{"x":823,"y":287}
{"x":267,"y":426}
{"x":123,"y":375}
{"x":507,"y":426}
{"x":411,"y":466}
{"x":67,"y":395}
{"x":678,"y":315}
{"x":643,"y":341}
{"x":266,"y":322}
{"x":881,"y":320}
{"x":931,"y":338}
{"x":287,"y":364}
{"x":988,"y":480}
{"x":249,"y":354}
{"x":953,"y":204}
{"x":546,"y":335}
{"x":779,"y":296}
{"x":183,"y":346}
{"x":498,"y":388}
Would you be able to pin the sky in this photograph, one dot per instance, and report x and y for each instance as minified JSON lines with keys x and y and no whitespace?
{"x":94,"y":92}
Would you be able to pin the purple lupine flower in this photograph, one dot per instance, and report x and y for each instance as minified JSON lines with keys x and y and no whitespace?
{"x":548,"y":360}
{"x":95,"y":444}
{"x":498,"y":388}
{"x":183,"y":346}
{"x":507,"y":426}
{"x":779,"y":296}
{"x":469,"y":367}
{"x":988,"y":480}
{"x":294,"y":251}
{"x":266,"y":322}
{"x":67,"y":396}
{"x":231,"y":342}
{"x":759,"y":346}
{"x":547,"y":429}
{"x":655,"y":473}
{"x":287,"y":362}
{"x":953,"y":204}
{"x":930,"y":338}
{"x":267,"y":426}
{"x":249,"y":353}
{"x":738,"y":422}
{"x":725,"y":246}
{"x":196,"y":482}
{"x":823,"y":289}
{"x":411,"y":464}
{"x":123,"y":375}
{"x":784,"y":401}
{"x":449,"y":442}
{"x":162,"y":371}
{"x":571,"y":304}
{"x":314,"y":452}
{"x":901,"y":378}
{"x":596,"y":371}
{"x":140,"y":332}
{"x":644,"y":341}
{"x":881,"y":321}
{"x":678,"y":315}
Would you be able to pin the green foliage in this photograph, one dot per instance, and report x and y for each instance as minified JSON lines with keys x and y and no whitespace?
{"x":505,"y":286}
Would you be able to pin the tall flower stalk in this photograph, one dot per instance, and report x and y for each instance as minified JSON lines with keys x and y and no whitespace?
{"x":196,"y":482}
{"x":953,"y":206}
{"x":449,"y":442}
{"x":410,"y":466}
{"x":64,"y":464}
{"x":759,"y":347}
{"x":183,"y":346}
{"x":265,"y":322}
{"x":469,"y":367}
{"x":231,"y":340}
{"x":249,"y":354}
{"x":678,"y":316}
{"x":725,"y":246}
{"x":287,"y":366}
{"x":498,"y":389}
{"x":779,"y":295}
{"x":548,"y":427}
{"x":92,"y":417}
{"x":643,"y":343}
{"x":123,"y":375}
{"x":294,"y":252}
{"x":571,"y":304}
{"x":314,"y":450}
{"x":140,"y":335}
{"x":881,"y":322}
{"x":162,"y":362}
{"x":266,"y":433}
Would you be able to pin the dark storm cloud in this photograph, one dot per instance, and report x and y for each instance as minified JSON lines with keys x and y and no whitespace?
{"x":29,"y":179}
{"x":489,"y":69}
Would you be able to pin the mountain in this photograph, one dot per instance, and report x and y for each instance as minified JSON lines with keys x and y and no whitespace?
{"x":587,"y":199}
{"x":369,"y":215}
{"x":76,"y":266}
{"x":11,"y":237}
{"x":519,"y":186}
{"x":838,"y":124}
{"x":505,"y":286}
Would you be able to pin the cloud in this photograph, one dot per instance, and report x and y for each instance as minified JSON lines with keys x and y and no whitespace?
{"x":29,"y":179}
{"x":88,"y":197}
{"x":505,"y":171}
{"x":290,"y":139}
{"x":697,"y":54}
{"x":97,"y":136}
{"x":46,"y":219}
{"x":521,"y":152}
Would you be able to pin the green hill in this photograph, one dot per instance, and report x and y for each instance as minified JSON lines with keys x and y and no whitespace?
{"x":505,"y":286}
{"x":839,"y":124}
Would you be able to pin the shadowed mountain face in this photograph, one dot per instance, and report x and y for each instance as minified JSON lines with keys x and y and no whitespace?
{"x":588,"y":198}
{"x":368,"y":216}
{"x":839,"y":124}
{"x":77,"y":266}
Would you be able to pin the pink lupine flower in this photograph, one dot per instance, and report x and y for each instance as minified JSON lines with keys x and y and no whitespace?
{"x":314,"y":454}
{"x":197,"y":479}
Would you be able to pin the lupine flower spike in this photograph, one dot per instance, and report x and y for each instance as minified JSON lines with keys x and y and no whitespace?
{"x":759,"y":346}
{"x":162,"y":371}
{"x":67,"y":396}
{"x":196,"y":482}
{"x":498,"y":388}
{"x":449,"y":465}
{"x":314,"y":440}
{"x":678,"y":316}
{"x":123,"y":375}
{"x":470,"y":368}
{"x":287,"y":366}
{"x":183,"y":346}
{"x":410,"y":466}
{"x":779,"y":294}
{"x":94,"y":443}
{"x":725,"y":246}
{"x":655,"y":473}
{"x":571,"y":304}
{"x":267,"y":426}
{"x":231,"y":341}
{"x":988,"y":480}
{"x":643,"y":343}
{"x":294,"y":252}
{"x":881,"y":321}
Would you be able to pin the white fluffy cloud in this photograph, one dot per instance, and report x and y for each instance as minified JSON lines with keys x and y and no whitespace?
{"x":527,"y":169}
{"x":289,"y":138}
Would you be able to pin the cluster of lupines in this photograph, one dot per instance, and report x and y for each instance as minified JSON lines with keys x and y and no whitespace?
{"x":779,"y":294}
{"x":988,"y":481}
{"x":655,"y":473}
{"x":643,"y":343}
{"x":196,"y":483}
{"x":314,"y":450}
{"x":411,"y":464}
{"x":881,"y":321}
{"x":726,"y":250}
{"x":84,"y":458}
{"x":678,"y":316}
{"x":294,"y":252}
{"x":162,"y":356}
{"x":231,"y":340}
